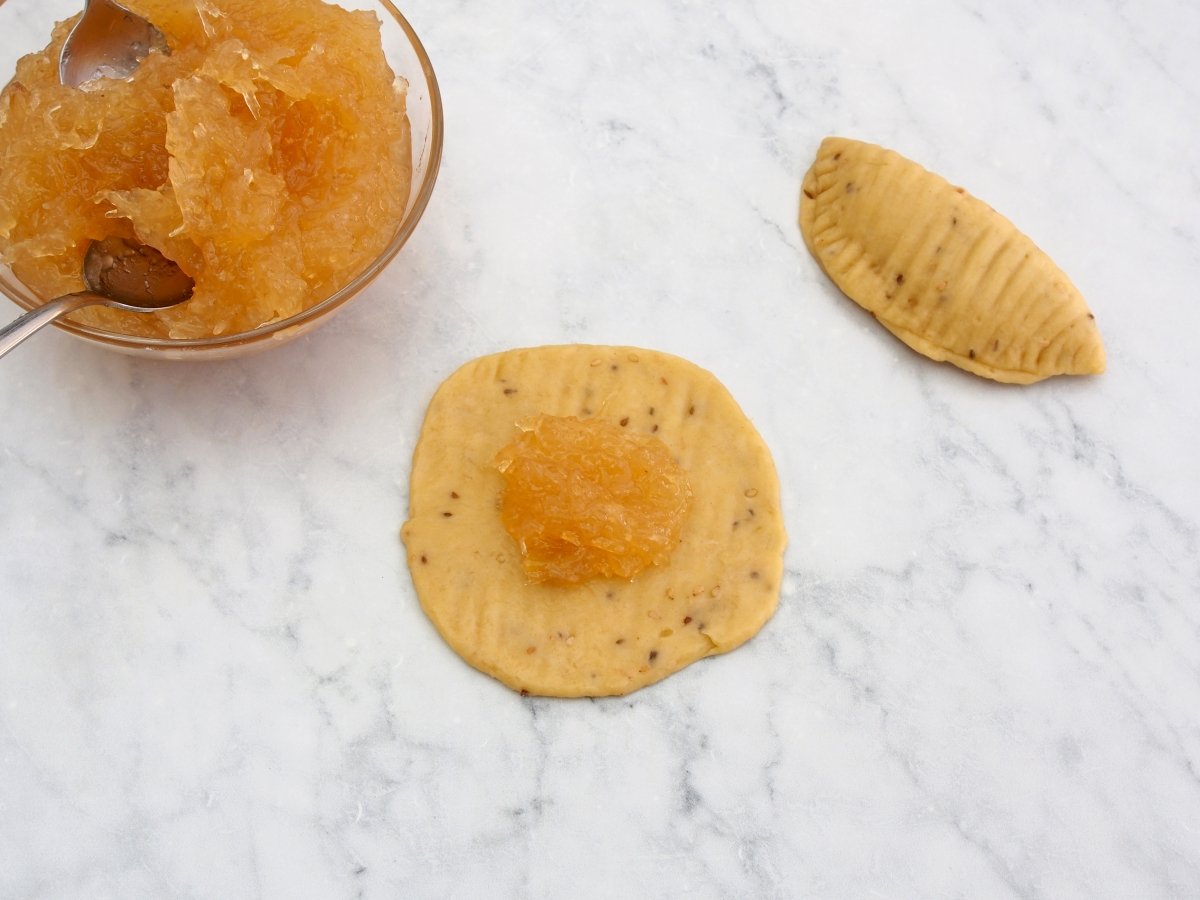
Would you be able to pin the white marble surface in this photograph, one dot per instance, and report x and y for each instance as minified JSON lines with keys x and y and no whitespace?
{"x":984,"y":676}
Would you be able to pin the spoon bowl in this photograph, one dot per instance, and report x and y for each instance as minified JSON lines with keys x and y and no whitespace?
{"x":133,"y":276}
{"x":108,"y":41}
{"x":118,"y":273}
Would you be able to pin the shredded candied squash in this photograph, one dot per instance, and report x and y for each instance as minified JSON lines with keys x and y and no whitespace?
{"x":268,"y":154}
{"x":585,"y":499}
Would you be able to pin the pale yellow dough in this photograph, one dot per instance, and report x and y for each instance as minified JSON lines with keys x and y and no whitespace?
{"x":608,"y":636}
{"x":941,"y":270}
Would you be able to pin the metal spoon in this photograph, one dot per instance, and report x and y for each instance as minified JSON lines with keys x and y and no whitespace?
{"x":108,"y":41}
{"x":119,"y":273}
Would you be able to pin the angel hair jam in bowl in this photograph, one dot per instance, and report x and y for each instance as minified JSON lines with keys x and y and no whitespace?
{"x":281,"y":153}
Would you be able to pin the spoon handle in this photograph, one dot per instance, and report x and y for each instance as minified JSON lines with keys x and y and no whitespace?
{"x":21,"y":328}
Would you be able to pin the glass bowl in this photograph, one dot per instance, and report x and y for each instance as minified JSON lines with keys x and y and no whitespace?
{"x":25,"y":27}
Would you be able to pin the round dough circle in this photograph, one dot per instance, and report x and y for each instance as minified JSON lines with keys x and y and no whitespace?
{"x":608,"y":636}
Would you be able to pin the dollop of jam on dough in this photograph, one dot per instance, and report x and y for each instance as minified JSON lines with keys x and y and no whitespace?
{"x":586,"y":499}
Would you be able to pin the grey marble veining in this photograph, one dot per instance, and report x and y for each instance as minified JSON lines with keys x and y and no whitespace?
{"x":984,"y":676}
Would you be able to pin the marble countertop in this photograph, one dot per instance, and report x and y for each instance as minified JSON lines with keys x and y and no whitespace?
{"x":983,"y":679}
